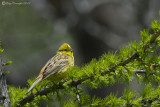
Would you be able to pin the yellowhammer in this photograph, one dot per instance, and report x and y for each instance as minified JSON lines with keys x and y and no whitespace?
{"x":55,"y":69}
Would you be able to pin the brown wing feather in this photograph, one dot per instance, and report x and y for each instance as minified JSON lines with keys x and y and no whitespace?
{"x":53,"y":66}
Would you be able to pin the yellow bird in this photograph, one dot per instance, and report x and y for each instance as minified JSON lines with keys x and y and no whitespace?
{"x":55,"y":69}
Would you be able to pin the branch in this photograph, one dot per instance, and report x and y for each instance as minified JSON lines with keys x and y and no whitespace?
{"x":79,"y":81}
{"x":4,"y":97}
{"x":45,"y":91}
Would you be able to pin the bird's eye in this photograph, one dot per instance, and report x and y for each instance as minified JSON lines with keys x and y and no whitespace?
{"x":65,"y":50}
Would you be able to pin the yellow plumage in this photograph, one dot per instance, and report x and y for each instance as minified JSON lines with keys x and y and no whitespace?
{"x":55,"y":69}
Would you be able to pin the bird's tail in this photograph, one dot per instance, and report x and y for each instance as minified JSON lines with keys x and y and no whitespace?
{"x":35,"y":83}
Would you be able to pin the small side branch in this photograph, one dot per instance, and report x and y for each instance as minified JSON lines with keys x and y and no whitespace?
{"x":78,"y":97}
{"x":139,"y":71}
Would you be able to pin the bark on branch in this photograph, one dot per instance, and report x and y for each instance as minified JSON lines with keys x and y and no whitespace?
{"x":4,"y":97}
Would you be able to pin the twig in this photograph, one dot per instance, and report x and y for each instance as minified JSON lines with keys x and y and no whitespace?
{"x":139,"y":71}
{"x":154,"y":37}
{"x":149,"y":101}
{"x":78,"y":97}
{"x":79,"y":81}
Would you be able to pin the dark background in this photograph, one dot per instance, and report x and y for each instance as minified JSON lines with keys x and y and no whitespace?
{"x":31,"y":33}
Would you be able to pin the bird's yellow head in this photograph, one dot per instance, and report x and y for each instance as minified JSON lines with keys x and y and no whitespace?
{"x":65,"y":49}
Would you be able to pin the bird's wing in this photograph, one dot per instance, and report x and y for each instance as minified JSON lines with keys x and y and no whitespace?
{"x":54,"y":65}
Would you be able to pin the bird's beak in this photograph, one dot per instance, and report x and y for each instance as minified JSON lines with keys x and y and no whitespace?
{"x":71,"y":50}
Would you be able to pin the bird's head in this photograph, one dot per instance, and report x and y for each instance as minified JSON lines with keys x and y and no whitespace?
{"x":65,"y":49}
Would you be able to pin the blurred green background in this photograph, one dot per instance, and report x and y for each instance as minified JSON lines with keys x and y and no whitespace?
{"x":31,"y":33}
